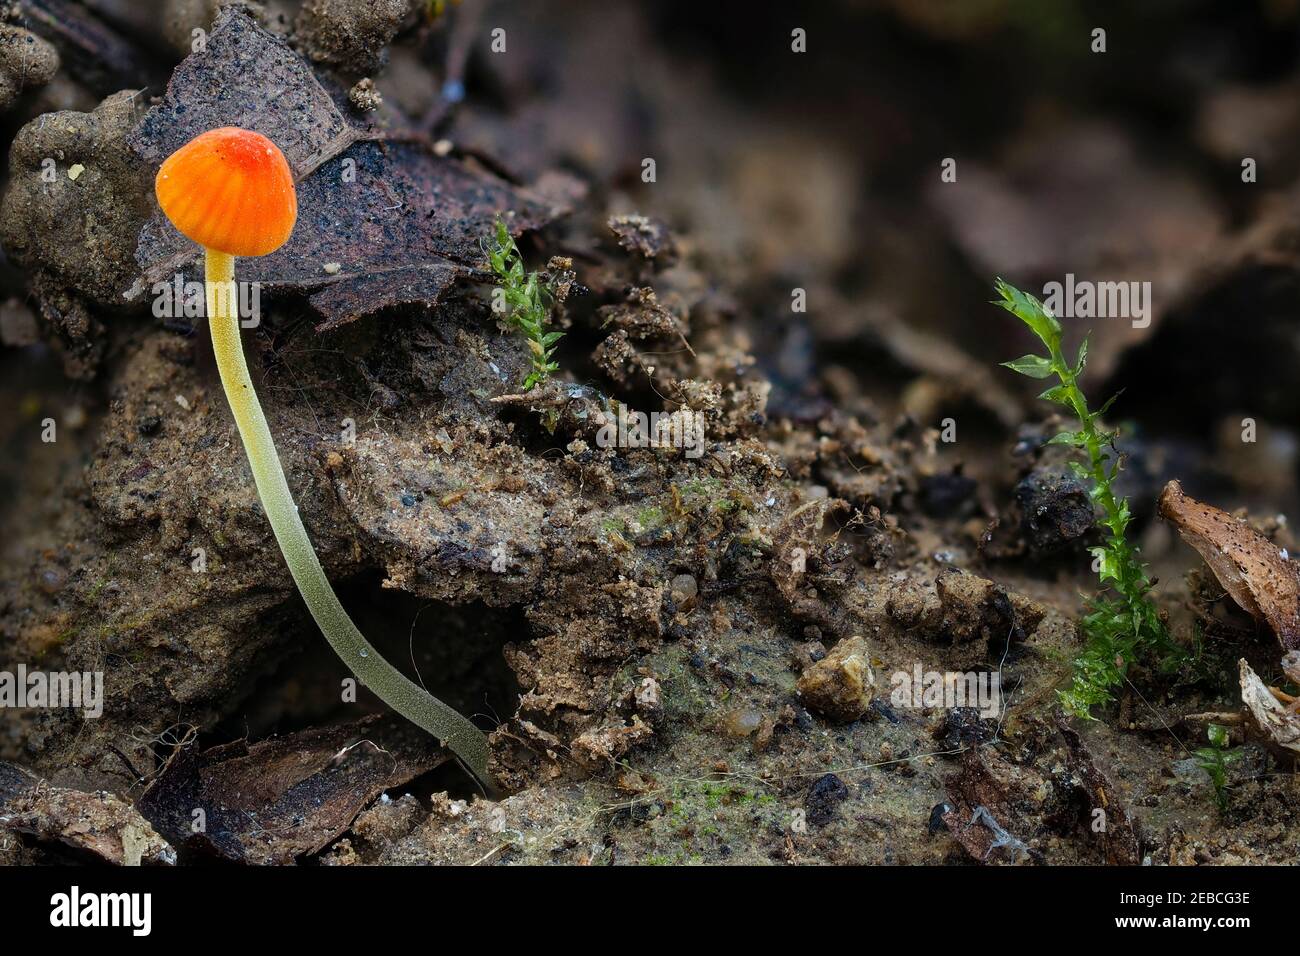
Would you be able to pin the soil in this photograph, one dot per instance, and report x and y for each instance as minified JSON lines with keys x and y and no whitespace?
{"x":683,"y":655}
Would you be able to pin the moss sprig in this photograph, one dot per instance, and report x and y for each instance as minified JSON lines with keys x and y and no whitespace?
{"x":1214,"y":760}
{"x":528,"y":298}
{"x":1124,"y":625}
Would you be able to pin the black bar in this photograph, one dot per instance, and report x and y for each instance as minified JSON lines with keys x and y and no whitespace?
{"x":377,"y":906}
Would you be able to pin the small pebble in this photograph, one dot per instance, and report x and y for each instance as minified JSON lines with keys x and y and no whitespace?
{"x":52,"y":580}
{"x":742,"y":721}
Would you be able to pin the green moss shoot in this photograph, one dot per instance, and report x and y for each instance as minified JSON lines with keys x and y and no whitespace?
{"x":526,"y":298}
{"x":1121,"y":624}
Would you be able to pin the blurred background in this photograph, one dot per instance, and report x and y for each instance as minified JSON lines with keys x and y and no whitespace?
{"x":823,"y":171}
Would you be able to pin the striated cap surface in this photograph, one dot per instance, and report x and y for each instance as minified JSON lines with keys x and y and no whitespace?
{"x":231,"y":190}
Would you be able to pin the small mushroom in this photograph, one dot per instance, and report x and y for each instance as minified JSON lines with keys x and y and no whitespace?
{"x":231,"y":191}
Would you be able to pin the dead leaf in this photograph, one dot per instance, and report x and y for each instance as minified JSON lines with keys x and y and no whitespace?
{"x":1280,"y":727}
{"x":976,"y":801}
{"x":245,"y":76}
{"x":1247,"y":564}
{"x":1119,"y":839}
{"x":98,"y":823}
{"x":401,"y":222}
{"x":276,"y":800}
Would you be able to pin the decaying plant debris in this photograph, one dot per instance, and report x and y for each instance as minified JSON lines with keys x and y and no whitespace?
{"x":1258,"y":574}
{"x":681,"y":657}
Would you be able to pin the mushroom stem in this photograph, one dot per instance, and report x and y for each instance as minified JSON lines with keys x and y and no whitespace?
{"x":414,"y":703}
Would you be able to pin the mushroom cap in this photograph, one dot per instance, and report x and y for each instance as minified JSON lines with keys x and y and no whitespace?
{"x":231,"y":190}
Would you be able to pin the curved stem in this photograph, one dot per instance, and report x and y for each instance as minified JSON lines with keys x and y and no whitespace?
{"x":414,"y":703}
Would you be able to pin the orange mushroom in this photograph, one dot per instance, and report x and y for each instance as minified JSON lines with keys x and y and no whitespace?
{"x":231,"y":191}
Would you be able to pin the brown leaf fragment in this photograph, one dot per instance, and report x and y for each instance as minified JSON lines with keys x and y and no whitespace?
{"x":97,"y":823}
{"x":1279,"y":725}
{"x":276,"y":800}
{"x":1250,"y":567}
{"x":976,"y":806}
{"x":1119,"y":839}
{"x":245,"y":76}
{"x":381,"y":222}
{"x":401,"y":240}
{"x":341,"y":302}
